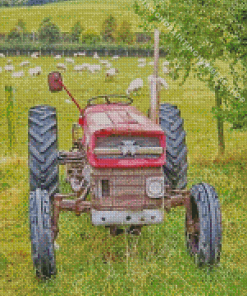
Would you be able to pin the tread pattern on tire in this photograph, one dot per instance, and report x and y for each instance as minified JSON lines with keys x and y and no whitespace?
{"x":208,"y":206}
{"x":43,"y":163}
{"x":175,"y":169}
{"x":43,"y":254}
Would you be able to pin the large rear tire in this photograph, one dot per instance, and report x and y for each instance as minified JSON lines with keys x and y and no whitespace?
{"x":175,"y":169}
{"x":43,"y":253}
{"x":204,"y":236}
{"x":42,"y":146}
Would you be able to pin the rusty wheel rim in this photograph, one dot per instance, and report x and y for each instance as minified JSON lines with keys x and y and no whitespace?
{"x":193,"y":228}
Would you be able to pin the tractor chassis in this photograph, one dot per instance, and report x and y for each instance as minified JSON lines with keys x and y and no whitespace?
{"x":64,"y":202}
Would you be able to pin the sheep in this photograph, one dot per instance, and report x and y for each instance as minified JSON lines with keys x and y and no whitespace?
{"x":141,"y":60}
{"x":9,"y":68}
{"x":35,"y":55}
{"x":1,"y":70}
{"x":104,"y":62}
{"x":115,"y":57}
{"x":151,"y":63}
{"x":134,"y":86}
{"x":9,"y":62}
{"x":79,"y":68}
{"x":165,"y":63}
{"x":35,"y":71}
{"x":69,"y":60}
{"x":108,"y":65}
{"x":160,"y":80}
{"x":81,"y":54}
{"x":61,"y":66}
{"x":2,"y":55}
{"x":85,"y":66}
{"x":165,"y":70}
{"x":94,"y":68}
{"x":111,"y":73}
{"x":142,"y":65}
{"x":95,"y":56}
{"x":25,"y":63}
{"x":58,"y":56}
{"x":17,"y":74}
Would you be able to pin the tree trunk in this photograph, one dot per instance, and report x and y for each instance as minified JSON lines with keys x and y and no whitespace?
{"x":220,"y":123}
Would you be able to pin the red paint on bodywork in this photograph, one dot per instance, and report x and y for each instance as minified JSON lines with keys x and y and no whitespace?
{"x":115,"y":119}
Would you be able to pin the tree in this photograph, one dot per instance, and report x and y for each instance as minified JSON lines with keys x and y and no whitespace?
{"x":90,"y":37}
{"x":76,"y":31}
{"x":48,"y":32}
{"x":199,"y":34}
{"x":125,"y":33}
{"x":109,"y":27}
{"x":18,"y":32}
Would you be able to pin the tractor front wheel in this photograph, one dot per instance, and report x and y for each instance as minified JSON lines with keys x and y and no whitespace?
{"x":203,"y":225}
{"x":43,"y":253}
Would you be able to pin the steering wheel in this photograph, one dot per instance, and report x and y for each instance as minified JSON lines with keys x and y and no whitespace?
{"x":126,"y":100}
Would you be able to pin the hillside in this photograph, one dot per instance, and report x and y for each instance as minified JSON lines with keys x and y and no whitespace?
{"x":65,"y":14}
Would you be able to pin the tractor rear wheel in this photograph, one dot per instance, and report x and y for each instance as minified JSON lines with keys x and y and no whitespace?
{"x":42,"y":146}
{"x":203,"y":225}
{"x":175,"y":169}
{"x":43,"y":253}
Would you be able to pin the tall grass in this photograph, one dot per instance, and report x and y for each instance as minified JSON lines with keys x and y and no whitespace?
{"x":90,"y":261}
{"x":10,"y":116}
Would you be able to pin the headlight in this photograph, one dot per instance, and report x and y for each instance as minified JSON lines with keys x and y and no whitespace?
{"x":155,"y":187}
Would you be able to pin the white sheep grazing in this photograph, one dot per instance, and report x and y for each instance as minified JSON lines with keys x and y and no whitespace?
{"x":1,"y":70}
{"x":95,"y":56}
{"x":17,"y":74}
{"x":160,"y":80}
{"x":108,"y":65}
{"x":35,"y":55}
{"x":61,"y":66}
{"x":82,"y":54}
{"x":75,"y":54}
{"x":79,"y":68}
{"x":57,"y":57}
{"x":151,"y":63}
{"x":143,"y":60}
{"x":69,"y":60}
{"x":2,"y":55}
{"x":85,"y":66}
{"x":25,"y":63}
{"x":141,"y":65}
{"x":166,"y":63}
{"x":163,"y":82}
{"x":165,"y":70}
{"x":9,"y":68}
{"x":115,"y":57}
{"x":94,"y":68}
{"x":35,"y":71}
{"x":111,"y":72}
{"x":135,"y":85}
{"x":104,"y":62}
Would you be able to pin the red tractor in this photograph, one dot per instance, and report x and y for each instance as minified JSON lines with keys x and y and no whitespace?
{"x":132,"y":168}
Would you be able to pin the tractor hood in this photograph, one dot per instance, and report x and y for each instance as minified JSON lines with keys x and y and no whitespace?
{"x":121,"y":136}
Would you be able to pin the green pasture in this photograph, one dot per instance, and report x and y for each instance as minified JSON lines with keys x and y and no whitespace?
{"x":90,"y":261}
{"x":65,"y":14}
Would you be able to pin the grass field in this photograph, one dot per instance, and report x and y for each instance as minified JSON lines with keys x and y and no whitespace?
{"x":66,"y":14}
{"x":89,"y":261}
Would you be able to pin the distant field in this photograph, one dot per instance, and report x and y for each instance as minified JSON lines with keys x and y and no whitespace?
{"x":90,"y":261}
{"x":65,"y":14}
